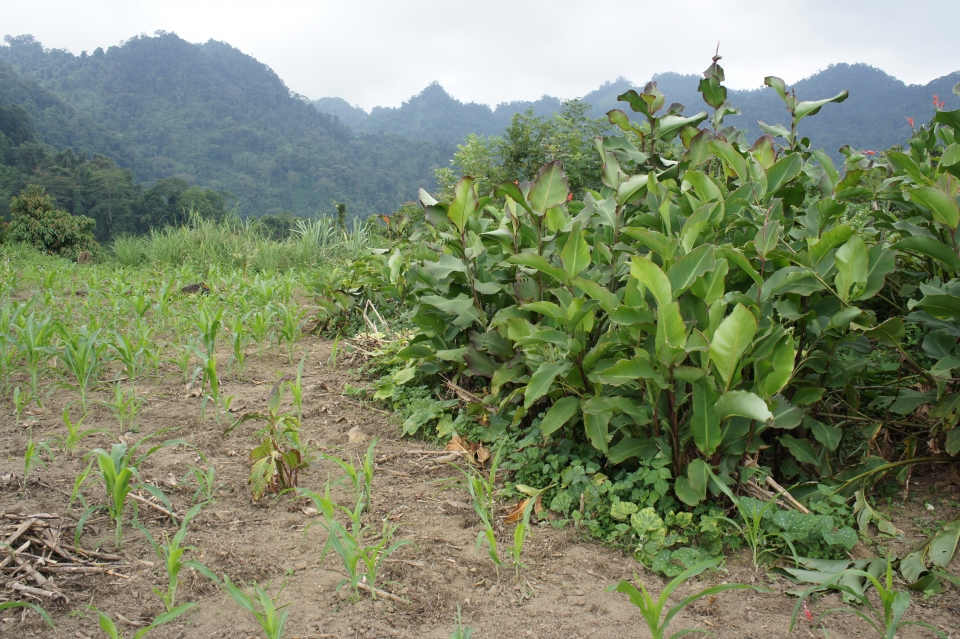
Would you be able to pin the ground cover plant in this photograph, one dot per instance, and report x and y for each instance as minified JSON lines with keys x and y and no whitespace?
{"x":728,"y":344}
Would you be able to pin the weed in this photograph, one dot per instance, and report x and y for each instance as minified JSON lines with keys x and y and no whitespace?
{"x":206,"y":482}
{"x":280,"y":456}
{"x":460,"y":632}
{"x":483,"y":491}
{"x":522,"y":531}
{"x":125,"y":406}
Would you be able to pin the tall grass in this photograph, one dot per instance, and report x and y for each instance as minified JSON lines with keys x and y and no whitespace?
{"x":243,"y":244}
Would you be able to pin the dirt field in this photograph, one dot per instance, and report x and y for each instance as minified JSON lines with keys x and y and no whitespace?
{"x":561,"y":595}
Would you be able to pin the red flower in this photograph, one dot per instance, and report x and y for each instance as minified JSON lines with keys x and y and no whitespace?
{"x":569,"y":196}
{"x":870,"y":152}
{"x":910,"y":120}
{"x":938,"y":104}
{"x":517,"y":182}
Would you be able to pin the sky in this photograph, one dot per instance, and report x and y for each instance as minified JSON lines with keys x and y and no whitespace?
{"x":381,"y":52}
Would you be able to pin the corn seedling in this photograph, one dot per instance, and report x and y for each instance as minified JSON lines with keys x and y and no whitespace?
{"x":753,"y":512}
{"x":272,"y":618}
{"x":32,"y":459}
{"x":240,"y":338}
{"x":34,"y":342}
{"x":289,"y":326}
{"x":6,"y":605}
{"x":296,"y":390}
{"x":171,"y":552}
{"x":885,"y":621}
{"x":483,"y":490}
{"x":82,"y":353}
{"x":182,"y":361}
{"x":117,"y":469}
{"x":206,"y":481}
{"x":361,"y":479}
{"x":211,"y":384}
{"x":125,"y":406}
{"x":107,"y":625}
{"x":280,"y":456}
{"x":77,"y":492}
{"x":209,"y":325}
{"x":334,"y":352}
{"x":361,"y":561}
{"x":653,"y":610}
{"x":8,"y":349}
{"x":522,"y":531}
{"x":69,"y":441}
{"x":460,"y":632}
{"x":20,"y":402}
{"x":260,"y":327}
{"x":131,"y":354}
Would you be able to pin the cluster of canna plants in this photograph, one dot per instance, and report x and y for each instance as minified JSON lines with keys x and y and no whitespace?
{"x":719,"y":311}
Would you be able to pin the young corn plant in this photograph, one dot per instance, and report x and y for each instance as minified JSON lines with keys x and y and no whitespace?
{"x":34,"y":342}
{"x":107,"y":625}
{"x":296,"y":390}
{"x":461,"y":632}
{"x":117,"y":469}
{"x":241,"y":336}
{"x":483,"y":492}
{"x":8,"y":350}
{"x":269,"y":616}
{"x":6,"y":605}
{"x":211,"y":383}
{"x":522,"y":531}
{"x":653,"y":610}
{"x":74,"y":433}
{"x":206,"y":481}
{"x":281,"y":455}
{"x":360,"y":479}
{"x":171,"y":553}
{"x":77,"y":492}
{"x":125,"y":406}
{"x":260,"y":327}
{"x":361,"y":560}
{"x":32,"y":459}
{"x":20,"y":402}
{"x":886,"y":621}
{"x":131,"y":354}
{"x":289,"y":326}
{"x":82,"y":353}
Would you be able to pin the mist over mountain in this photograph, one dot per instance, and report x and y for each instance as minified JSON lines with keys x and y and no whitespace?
{"x":873,"y":117}
{"x":214,"y":116}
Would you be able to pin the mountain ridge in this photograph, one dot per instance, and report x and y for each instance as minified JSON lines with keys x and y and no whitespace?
{"x":873,"y":117}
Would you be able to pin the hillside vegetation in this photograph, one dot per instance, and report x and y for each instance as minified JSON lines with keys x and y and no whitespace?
{"x":209,"y":114}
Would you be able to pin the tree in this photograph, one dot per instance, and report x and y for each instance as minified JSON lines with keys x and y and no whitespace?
{"x":36,"y":221}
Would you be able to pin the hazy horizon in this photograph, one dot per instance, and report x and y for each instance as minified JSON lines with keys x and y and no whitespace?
{"x":381,"y":54}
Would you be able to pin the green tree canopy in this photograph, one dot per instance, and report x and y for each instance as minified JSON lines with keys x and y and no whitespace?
{"x":35,"y":220}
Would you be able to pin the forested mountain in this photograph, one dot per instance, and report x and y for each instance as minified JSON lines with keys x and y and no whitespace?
{"x":873,"y":117}
{"x":210,"y":115}
{"x":433,"y":114}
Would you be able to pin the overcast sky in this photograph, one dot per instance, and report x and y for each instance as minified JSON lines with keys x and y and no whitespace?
{"x":380,"y":52}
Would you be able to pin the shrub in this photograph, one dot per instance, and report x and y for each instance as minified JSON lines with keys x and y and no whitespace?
{"x":36,"y":221}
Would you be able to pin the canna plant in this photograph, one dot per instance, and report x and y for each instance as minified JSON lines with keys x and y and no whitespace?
{"x":694,"y":306}
{"x":281,"y":455}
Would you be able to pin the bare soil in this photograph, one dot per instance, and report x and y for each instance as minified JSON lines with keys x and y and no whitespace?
{"x":560,"y":595}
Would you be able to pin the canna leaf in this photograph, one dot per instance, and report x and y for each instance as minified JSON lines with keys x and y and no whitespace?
{"x":731,"y":339}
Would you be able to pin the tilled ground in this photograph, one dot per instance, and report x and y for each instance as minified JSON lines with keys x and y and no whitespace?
{"x":560,"y":595}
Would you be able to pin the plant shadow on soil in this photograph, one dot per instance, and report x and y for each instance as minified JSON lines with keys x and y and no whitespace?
{"x":560,"y":595}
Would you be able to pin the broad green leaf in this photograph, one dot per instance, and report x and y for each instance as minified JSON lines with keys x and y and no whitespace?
{"x":608,"y":300}
{"x":703,"y":185}
{"x":670,"y":125}
{"x":559,"y":414}
{"x":512,"y":191}
{"x":829,"y":240}
{"x":929,"y":247}
{"x":784,"y":170}
{"x":685,"y":492}
{"x":730,"y":156}
{"x":889,"y":332}
{"x":714,"y":93}
{"x":705,"y":423}
{"x":853,"y":264}
{"x":775,"y":371}
{"x":538,"y":262}
{"x":596,"y":427}
{"x":767,"y":238}
{"x":688,"y":268}
{"x":777,"y":85}
{"x":801,"y":449}
{"x":671,"y":332}
{"x":944,"y":543}
{"x":630,"y":447}
{"x":630,"y":187}
{"x":811,"y":107}
{"x":742,"y":404}
{"x":576,"y":252}
{"x":624,"y":371}
{"x":653,"y":278}
{"x":542,"y":381}
{"x":941,"y":306}
{"x":945,"y":208}
{"x":827,"y":435}
{"x":730,"y":340}
{"x":549,"y":189}
{"x":464,"y":203}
